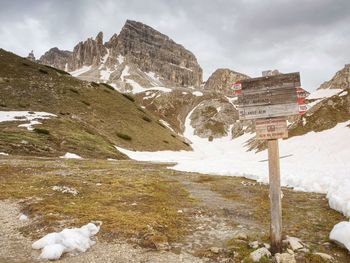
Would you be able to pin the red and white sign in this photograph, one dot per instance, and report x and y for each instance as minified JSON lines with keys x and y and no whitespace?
{"x":272,"y":128}
{"x":237,"y":87}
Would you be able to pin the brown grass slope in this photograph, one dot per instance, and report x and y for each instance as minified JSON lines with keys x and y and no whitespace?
{"x":91,"y":117}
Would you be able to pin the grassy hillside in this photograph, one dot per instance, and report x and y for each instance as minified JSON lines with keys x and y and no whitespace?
{"x":91,"y":117}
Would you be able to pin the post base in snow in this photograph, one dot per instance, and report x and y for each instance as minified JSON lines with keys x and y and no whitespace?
{"x":275,"y":197}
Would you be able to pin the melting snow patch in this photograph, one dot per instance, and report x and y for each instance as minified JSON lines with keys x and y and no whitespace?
{"x":120,"y":59}
{"x":323,"y":93}
{"x":197,"y":93}
{"x":341,"y":234}
{"x":22,"y":116}
{"x":71,"y":156}
{"x":80,"y":71}
{"x":65,"y":190}
{"x":5,"y":154}
{"x":53,"y":245}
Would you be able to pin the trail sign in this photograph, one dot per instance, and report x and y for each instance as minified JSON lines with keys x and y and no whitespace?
{"x":269,"y":100}
{"x":269,"y":96}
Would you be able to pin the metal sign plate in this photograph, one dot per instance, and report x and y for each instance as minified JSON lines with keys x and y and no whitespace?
{"x":274,"y":128}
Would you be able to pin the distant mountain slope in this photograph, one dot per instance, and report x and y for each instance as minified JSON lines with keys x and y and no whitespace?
{"x":137,"y":58}
{"x":91,"y":118}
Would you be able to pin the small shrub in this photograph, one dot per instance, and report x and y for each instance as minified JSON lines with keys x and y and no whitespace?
{"x":58,"y":70}
{"x":23,"y":104}
{"x":43,"y":71}
{"x":140,"y":109}
{"x":129,"y":97}
{"x":106,"y":90}
{"x":3,"y":105}
{"x":41,"y":131}
{"x":108,"y":86}
{"x":25,"y":64}
{"x":124,"y":136}
{"x":95,"y":84}
{"x":86,"y":103}
{"x":145,"y":118}
{"x":186,"y":144}
{"x":165,"y":141}
{"x":173,"y":135}
{"x":74,"y":90}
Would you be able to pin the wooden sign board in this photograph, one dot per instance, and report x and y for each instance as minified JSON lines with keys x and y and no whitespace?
{"x":269,"y":96}
{"x":267,"y":111}
{"x":274,"y":128}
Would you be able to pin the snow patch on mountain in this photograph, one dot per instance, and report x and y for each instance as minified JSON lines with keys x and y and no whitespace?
{"x":80,"y":71}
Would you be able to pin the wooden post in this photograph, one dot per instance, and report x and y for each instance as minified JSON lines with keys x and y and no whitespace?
{"x":275,"y":197}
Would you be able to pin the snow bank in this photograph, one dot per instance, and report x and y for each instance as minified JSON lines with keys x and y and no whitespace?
{"x":71,"y":156}
{"x":197,"y":93}
{"x":314,"y":162}
{"x":4,"y":154}
{"x":25,"y":116}
{"x":53,"y":245}
{"x":341,"y":234}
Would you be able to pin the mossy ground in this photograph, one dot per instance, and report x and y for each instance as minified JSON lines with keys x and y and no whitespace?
{"x":305,"y":215}
{"x":131,"y":199}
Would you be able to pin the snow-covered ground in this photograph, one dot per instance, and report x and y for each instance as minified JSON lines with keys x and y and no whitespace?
{"x":314,"y":162}
{"x":323,"y":93}
{"x":25,"y":116}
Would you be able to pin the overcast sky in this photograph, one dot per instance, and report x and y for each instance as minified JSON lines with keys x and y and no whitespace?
{"x":249,"y":36}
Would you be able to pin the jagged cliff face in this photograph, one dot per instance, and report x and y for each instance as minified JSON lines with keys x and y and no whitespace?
{"x":341,"y":80}
{"x":138,"y":57}
{"x":57,"y":58}
{"x":222,"y":79}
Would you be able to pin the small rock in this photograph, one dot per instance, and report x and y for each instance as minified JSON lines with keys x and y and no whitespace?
{"x":215,"y":250}
{"x":285,"y":258}
{"x":180,"y":211}
{"x":254,"y":244}
{"x":268,"y":246}
{"x":256,"y":255}
{"x":241,"y":235}
{"x":162,"y":245}
{"x":294,"y":243}
{"x":304,"y":249}
{"x":290,"y":251}
{"x":324,"y":256}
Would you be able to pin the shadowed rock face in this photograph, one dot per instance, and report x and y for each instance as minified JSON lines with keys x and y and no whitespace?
{"x":222,"y":79}
{"x":341,"y":79}
{"x":138,"y":45}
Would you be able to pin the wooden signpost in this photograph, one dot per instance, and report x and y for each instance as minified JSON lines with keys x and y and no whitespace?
{"x":269,"y":100}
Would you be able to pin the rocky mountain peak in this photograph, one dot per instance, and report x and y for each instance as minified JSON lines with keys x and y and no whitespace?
{"x":57,"y":58}
{"x":99,"y":38}
{"x":222,"y":79}
{"x":341,"y":79}
{"x":139,"y":49}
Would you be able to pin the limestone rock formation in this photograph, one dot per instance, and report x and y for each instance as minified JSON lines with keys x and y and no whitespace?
{"x":138,"y":56}
{"x":31,"y":56}
{"x":341,"y":80}
{"x":152,"y":51}
{"x":57,"y":58}
{"x":88,"y":53}
{"x":222,"y":79}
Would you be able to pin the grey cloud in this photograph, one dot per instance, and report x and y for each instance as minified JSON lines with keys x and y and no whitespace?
{"x":245,"y":35}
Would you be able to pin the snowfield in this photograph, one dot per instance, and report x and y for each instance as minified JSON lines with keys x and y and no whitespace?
{"x":314,"y":162}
